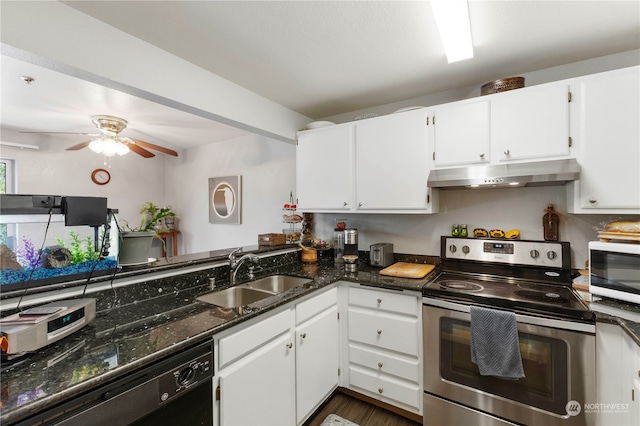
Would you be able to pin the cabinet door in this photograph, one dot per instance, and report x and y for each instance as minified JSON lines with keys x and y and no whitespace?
{"x":324,"y":169}
{"x":462,"y":133}
{"x":531,"y":123}
{"x":392,"y":162}
{"x":259,"y":388}
{"x":608,"y":141}
{"x":317,"y":361}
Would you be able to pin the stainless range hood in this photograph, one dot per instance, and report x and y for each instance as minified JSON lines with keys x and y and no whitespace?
{"x":539,"y":173}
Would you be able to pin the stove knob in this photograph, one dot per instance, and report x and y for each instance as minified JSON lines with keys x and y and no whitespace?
{"x":552,"y":254}
{"x":534,"y":253}
{"x":465,"y":249}
{"x":453,"y":248}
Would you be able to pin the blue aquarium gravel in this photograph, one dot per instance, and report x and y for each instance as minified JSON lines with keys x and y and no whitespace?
{"x":11,"y":276}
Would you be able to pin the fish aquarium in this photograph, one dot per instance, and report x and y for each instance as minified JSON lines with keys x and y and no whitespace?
{"x":49,"y":239}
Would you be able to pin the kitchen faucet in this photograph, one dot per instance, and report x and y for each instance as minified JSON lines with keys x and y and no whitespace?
{"x":234,"y":264}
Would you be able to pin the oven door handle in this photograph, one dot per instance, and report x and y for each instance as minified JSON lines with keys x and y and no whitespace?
{"x":525,"y":319}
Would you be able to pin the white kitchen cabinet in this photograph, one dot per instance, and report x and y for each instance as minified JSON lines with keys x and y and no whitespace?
{"x":377,"y":165}
{"x":256,"y":378}
{"x":462,"y":132}
{"x":278,"y":369}
{"x":617,"y":379}
{"x":324,"y":169}
{"x":384,"y":346}
{"x":607,"y":141}
{"x":317,"y":352}
{"x":527,"y":124}
{"x":392,"y":162}
{"x":531,"y":123}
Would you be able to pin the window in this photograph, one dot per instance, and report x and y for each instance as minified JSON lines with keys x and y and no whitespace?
{"x":6,"y":187}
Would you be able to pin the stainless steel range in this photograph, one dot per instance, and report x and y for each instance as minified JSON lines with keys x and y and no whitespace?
{"x":555,"y":335}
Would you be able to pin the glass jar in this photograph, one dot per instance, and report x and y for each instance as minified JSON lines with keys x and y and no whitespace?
{"x":455,"y":230}
{"x":463,"y":230}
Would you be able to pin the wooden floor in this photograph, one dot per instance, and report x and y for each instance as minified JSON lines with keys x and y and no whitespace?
{"x":358,"y":412}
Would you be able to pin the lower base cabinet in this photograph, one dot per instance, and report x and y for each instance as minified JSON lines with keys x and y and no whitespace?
{"x":617,"y":377}
{"x":383,"y":346}
{"x":279,"y":368}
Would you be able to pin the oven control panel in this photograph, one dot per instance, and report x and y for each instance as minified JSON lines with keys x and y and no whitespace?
{"x":531,"y":253}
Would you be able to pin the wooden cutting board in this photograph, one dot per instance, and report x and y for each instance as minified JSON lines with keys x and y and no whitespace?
{"x":407,"y":270}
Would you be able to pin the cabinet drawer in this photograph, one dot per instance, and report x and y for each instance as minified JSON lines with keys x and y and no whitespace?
{"x":315,"y":305}
{"x":404,"y":394}
{"x":384,"y":300}
{"x":384,"y":362}
{"x":384,"y":330}
{"x":246,"y":340}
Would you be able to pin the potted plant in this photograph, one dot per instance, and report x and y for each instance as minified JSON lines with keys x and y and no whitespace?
{"x":135,"y":243}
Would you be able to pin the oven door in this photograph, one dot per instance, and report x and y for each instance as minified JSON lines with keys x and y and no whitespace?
{"x":558,"y":359}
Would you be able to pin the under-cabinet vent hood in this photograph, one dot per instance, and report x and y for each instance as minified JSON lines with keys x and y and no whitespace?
{"x":539,"y":173}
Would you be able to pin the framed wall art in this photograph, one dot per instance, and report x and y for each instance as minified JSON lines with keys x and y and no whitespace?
{"x":225,"y":199}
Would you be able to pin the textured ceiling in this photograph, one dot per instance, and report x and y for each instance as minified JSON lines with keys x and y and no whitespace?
{"x":322,"y":58}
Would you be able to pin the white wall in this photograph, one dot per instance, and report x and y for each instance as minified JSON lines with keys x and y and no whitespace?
{"x":504,"y":209}
{"x":267,"y":168}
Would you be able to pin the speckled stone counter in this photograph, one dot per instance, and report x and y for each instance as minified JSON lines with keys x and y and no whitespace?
{"x":148,"y":321}
{"x":617,"y":312}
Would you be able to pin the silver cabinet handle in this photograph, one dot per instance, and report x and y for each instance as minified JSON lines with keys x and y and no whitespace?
{"x":482,"y":155}
{"x":379,"y":365}
{"x":359,"y":204}
{"x":379,"y":331}
{"x":507,"y":152}
{"x":289,"y":345}
{"x":303,"y":335}
{"x":344,"y":204}
{"x":592,"y":201}
{"x":380,"y":390}
{"x":379,"y":301}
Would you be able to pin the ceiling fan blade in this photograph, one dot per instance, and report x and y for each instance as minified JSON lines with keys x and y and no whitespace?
{"x":156,"y":147}
{"x":62,"y":133}
{"x":140,"y":151}
{"x":79,"y":146}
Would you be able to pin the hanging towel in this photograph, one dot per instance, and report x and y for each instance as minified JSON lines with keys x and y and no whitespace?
{"x":495,"y":347}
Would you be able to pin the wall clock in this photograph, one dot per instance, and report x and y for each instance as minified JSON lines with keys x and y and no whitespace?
{"x":100,"y":176}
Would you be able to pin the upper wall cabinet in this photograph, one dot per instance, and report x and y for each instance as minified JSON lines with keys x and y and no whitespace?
{"x":324,"y":169}
{"x":378,"y":165}
{"x":607,"y":141}
{"x":463,"y":132}
{"x":515,"y":126}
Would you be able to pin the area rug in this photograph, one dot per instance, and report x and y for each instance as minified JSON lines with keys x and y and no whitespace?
{"x":335,"y":420}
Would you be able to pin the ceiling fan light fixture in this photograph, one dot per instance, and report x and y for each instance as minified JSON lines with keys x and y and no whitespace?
{"x":452,"y":19}
{"x":108,"y":146}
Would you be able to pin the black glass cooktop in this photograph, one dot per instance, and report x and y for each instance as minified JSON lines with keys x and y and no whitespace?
{"x":555,"y":299}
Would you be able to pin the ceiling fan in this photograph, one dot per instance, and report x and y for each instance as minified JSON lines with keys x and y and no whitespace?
{"x":109,"y":143}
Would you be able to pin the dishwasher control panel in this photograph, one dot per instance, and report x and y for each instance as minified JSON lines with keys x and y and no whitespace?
{"x":183,"y":377}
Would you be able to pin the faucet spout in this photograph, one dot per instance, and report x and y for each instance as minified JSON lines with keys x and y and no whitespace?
{"x":234,"y":264}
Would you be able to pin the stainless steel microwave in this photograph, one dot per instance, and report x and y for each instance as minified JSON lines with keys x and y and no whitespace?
{"x":614,"y":270}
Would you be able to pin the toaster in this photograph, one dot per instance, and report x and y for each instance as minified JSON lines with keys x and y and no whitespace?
{"x":381,"y":254}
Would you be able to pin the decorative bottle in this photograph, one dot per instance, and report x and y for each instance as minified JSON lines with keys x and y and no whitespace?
{"x":551,"y":224}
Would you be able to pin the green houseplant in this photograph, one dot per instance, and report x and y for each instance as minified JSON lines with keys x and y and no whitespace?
{"x":135,"y":242}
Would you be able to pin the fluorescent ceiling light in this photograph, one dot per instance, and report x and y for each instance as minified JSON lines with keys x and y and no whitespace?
{"x":452,"y":19}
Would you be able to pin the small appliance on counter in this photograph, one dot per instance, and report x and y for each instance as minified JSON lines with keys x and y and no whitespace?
{"x":37,"y":327}
{"x":381,"y":254}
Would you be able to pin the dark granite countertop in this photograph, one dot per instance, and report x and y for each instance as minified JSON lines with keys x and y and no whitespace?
{"x":146,"y":322}
{"x":143,"y":323}
{"x":618,"y":312}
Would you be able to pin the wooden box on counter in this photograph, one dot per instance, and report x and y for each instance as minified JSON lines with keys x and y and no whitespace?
{"x":271,"y":239}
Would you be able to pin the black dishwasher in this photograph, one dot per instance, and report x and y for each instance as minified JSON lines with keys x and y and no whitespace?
{"x":175,"y":391}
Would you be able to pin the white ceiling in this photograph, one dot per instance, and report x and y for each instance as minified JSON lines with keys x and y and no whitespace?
{"x":319,"y":58}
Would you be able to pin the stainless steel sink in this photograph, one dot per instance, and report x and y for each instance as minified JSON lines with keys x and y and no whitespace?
{"x":253,"y":291}
{"x":277,"y":283}
{"x":234,"y":297}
